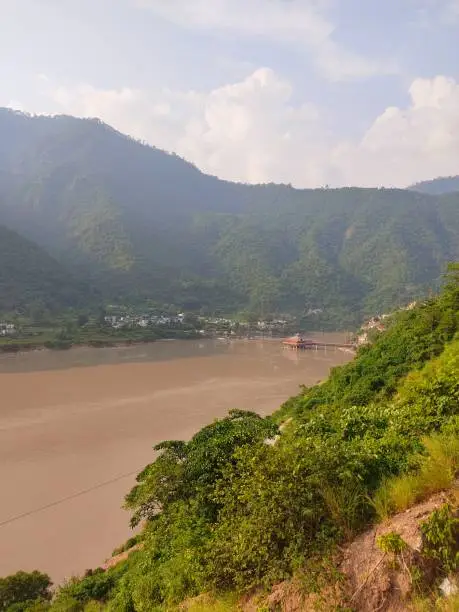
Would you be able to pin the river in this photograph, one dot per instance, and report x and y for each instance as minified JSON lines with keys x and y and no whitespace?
{"x":76,"y":426}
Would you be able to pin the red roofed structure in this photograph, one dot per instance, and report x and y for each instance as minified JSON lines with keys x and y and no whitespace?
{"x":298,"y":342}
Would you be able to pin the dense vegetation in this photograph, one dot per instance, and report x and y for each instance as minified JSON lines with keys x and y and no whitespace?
{"x":24,"y":590}
{"x":140,"y":223}
{"x":31,"y":280}
{"x":246,"y":503}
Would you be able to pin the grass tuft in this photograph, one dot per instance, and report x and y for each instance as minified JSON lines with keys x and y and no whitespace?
{"x":437,"y":472}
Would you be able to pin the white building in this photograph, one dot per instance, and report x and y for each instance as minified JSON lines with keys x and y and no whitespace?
{"x":7,"y":329}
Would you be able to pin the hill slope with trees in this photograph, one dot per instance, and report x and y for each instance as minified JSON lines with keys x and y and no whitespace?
{"x":30,"y":279}
{"x":140,"y":223}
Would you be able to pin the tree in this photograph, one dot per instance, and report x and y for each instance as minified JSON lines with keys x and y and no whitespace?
{"x":186,"y":470}
{"x":82,"y":319}
{"x":24,"y":588}
{"x":101,"y":317}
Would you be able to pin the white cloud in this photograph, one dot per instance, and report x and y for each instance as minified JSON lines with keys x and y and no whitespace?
{"x":299,"y":22}
{"x":405,"y":145}
{"x":251,"y":131}
{"x":246,"y":131}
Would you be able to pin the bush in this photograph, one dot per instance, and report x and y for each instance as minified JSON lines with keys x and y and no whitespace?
{"x":130,"y":543}
{"x":441,"y":539}
{"x":391,"y":543}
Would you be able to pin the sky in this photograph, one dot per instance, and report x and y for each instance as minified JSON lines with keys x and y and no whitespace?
{"x":305,"y":92}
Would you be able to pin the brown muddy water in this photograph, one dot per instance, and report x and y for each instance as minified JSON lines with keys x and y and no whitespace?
{"x":76,"y":426}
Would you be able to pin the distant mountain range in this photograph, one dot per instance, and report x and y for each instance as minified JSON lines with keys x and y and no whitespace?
{"x":138,"y":223}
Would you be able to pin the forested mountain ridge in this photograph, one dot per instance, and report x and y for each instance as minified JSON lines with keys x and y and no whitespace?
{"x":141,"y":223}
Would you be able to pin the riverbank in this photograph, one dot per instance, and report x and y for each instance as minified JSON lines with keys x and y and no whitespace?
{"x":24,"y":345}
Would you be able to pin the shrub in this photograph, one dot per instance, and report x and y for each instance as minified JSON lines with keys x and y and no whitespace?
{"x":391,"y":542}
{"x":441,"y":539}
{"x":95,"y":585}
{"x":130,"y":543}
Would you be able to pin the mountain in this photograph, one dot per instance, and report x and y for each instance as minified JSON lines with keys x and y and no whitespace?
{"x":438,"y":186}
{"x":31,"y":279}
{"x":140,"y":223}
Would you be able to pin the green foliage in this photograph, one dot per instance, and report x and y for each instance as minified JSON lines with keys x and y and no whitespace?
{"x":441,"y":538}
{"x":95,"y":585}
{"x":32,"y":281}
{"x":208,"y":603}
{"x":435,"y":471}
{"x":189,"y":470}
{"x":20,"y":591}
{"x":391,"y":543}
{"x":130,"y":543}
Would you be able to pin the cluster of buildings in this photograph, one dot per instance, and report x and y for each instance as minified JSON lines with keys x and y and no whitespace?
{"x":209,"y":323}
{"x":376,"y":324}
{"x":7,"y":329}
{"x":120,"y":321}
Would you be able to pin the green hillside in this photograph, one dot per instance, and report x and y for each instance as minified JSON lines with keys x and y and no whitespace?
{"x":140,"y":223}
{"x":31,"y":279}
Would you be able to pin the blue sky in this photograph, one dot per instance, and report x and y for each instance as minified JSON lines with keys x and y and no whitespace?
{"x":306,"y":92}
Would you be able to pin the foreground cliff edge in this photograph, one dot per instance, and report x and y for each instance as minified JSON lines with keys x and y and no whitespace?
{"x":250,"y":514}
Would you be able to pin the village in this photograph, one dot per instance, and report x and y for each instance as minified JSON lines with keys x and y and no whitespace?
{"x":119,"y":321}
{"x":204,"y":325}
{"x":7,"y":329}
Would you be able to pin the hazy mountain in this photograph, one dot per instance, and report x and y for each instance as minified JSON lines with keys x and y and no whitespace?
{"x":143,"y":223}
{"x":438,"y":186}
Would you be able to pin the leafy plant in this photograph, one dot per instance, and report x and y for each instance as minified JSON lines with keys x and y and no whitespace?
{"x":391,"y":542}
{"x":441,"y":538}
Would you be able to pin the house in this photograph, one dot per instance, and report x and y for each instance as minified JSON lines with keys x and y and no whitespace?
{"x":7,"y":329}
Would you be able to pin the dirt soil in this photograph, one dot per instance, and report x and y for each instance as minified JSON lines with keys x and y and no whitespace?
{"x":373,"y":583}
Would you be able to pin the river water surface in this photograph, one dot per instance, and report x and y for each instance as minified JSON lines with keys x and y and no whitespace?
{"x":76,"y":426}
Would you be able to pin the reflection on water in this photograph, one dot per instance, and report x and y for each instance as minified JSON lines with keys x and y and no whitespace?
{"x":65,"y":428}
